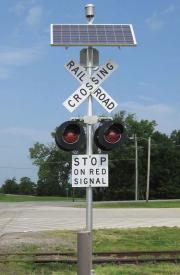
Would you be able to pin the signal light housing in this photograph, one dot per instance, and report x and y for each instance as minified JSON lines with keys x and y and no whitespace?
{"x":69,"y":136}
{"x":109,"y":135}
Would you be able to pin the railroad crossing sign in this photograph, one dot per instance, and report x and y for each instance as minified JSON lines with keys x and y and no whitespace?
{"x":90,"y":170}
{"x":90,"y":85}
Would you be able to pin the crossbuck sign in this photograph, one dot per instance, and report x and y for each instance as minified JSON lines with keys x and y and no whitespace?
{"x":90,"y":85}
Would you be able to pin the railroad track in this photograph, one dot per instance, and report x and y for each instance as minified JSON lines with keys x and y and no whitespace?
{"x":135,"y":257}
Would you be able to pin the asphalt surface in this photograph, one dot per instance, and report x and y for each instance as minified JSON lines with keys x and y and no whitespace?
{"x":38,"y":216}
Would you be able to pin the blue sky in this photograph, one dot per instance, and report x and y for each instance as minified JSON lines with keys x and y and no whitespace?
{"x":34,"y":82}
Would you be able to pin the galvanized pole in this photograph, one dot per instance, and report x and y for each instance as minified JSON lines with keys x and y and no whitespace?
{"x":89,"y":144}
{"x":89,"y":192}
{"x":136,"y":168}
{"x":148,"y":168}
{"x":84,"y":249}
{"x":85,"y":238}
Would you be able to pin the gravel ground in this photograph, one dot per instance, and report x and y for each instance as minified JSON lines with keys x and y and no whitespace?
{"x":28,"y":223}
{"x":39,"y":241}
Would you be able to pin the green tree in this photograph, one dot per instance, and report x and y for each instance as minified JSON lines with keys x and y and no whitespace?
{"x":10,"y":186}
{"x":54,"y":169}
{"x":55,"y":165}
{"x":122,"y":160}
{"x":165,"y":166}
{"x":26,"y":186}
{"x":175,"y":137}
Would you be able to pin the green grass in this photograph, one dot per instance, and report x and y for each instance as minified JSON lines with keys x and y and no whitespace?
{"x":24,"y":198}
{"x":36,"y":269}
{"x":145,"y":269}
{"x":141,"y":239}
{"x":140,"y":204}
{"x":131,"y":204}
{"x":135,"y":239}
{"x":109,"y":269}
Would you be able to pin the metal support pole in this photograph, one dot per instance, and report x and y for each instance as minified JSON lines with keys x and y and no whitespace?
{"x":86,"y":265}
{"x":89,"y":196}
{"x":84,"y":250}
{"x":148,"y":168}
{"x":84,"y":238}
{"x":136,"y":168}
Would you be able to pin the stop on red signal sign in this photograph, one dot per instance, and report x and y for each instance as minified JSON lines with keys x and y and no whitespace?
{"x":90,"y":170}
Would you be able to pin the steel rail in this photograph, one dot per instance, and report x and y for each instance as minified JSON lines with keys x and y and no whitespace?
{"x":133,"y":257}
{"x":123,"y":253}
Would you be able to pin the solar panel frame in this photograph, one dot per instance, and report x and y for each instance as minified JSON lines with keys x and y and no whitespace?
{"x":92,"y":35}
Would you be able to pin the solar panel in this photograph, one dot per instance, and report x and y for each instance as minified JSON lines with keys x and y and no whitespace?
{"x":92,"y":35}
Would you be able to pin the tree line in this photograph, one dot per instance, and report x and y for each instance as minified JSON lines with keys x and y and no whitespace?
{"x":24,"y":187}
{"x":54,"y":165}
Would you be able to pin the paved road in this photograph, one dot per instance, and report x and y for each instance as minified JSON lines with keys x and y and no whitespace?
{"x":37,"y":216}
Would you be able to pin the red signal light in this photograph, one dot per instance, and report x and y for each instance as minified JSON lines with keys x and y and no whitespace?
{"x":70,"y":137}
{"x":112,"y":136}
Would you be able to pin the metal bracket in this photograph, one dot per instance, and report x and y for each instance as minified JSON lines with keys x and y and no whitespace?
{"x":103,"y":118}
{"x":91,"y":119}
{"x":86,"y":119}
{"x":76,"y":118}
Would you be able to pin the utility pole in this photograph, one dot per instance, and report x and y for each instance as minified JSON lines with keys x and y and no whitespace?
{"x":148,"y":168}
{"x":136,"y":167}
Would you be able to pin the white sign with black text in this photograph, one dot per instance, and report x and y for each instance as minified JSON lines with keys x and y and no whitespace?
{"x":90,"y":170}
{"x":90,"y":85}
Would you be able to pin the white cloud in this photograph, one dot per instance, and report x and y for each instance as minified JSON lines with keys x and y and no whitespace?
{"x":10,"y":58}
{"x":170,"y":9}
{"x":147,"y":99}
{"x":17,"y":57}
{"x":166,"y":117}
{"x":29,"y":12}
{"x":158,"y":19}
{"x":147,"y":109}
{"x":144,"y":84}
{"x":155,"y":22}
{"x":34,"y":16}
{"x":18,"y":8}
{"x":4,"y":73}
{"x":21,"y":6}
{"x":37,"y":135}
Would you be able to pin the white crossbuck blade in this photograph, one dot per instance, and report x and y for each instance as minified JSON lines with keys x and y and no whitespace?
{"x":90,"y":85}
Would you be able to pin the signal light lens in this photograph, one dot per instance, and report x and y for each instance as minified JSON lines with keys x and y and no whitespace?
{"x":71,"y":135}
{"x":112,"y":135}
